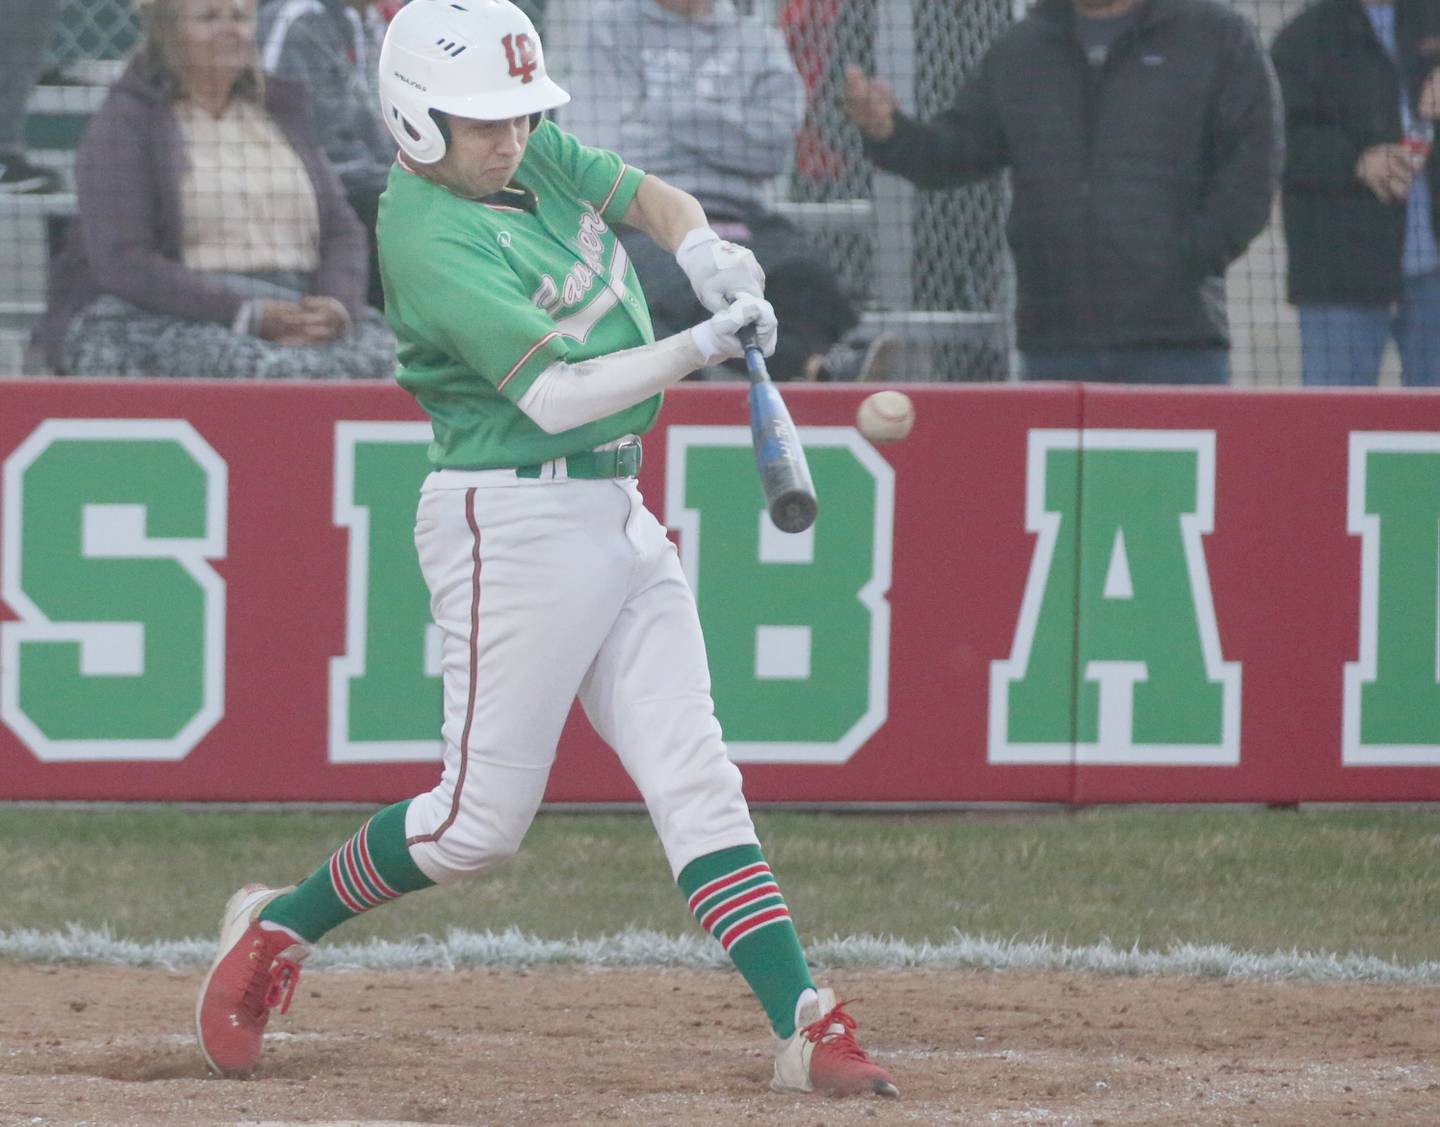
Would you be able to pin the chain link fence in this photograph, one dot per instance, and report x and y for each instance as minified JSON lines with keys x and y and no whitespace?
{"x":932,"y":252}
{"x":94,"y":29}
{"x":931,"y":266}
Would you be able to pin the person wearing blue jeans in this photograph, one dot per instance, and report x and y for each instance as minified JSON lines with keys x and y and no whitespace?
{"x":1343,"y":345}
{"x":1166,"y":365}
{"x":1362,"y":92}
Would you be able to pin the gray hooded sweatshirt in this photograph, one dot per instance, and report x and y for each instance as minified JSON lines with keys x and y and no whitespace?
{"x":335,"y":51}
{"x":711,"y":105}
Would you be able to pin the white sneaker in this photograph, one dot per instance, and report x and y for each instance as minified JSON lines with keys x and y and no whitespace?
{"x":823,"y":1056}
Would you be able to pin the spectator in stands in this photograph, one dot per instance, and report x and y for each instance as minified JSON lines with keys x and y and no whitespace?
{"x":213,"y":237}
{"x":1143,"y":140}
{"x":333,"y":46}
{"x":1362,"y":91}
{"x":710,"y":101}
{"x":811,"y":28}
{"x":26,"y":38}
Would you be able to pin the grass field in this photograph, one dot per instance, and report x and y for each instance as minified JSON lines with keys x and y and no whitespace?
{"x":1352,"y":881}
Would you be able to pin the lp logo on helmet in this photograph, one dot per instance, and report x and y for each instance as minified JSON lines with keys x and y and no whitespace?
{"x":524,"y":66}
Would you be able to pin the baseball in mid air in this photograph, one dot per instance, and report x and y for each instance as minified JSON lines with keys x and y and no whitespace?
{"x":885,"y":417}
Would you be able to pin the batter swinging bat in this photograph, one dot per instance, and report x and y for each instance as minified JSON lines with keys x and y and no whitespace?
{"x":779,"y":457}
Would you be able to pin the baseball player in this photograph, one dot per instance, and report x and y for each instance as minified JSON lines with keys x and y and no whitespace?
{"x":525,"y":336}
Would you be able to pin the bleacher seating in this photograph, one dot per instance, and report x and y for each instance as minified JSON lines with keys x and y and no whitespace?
{"x":57,"y":119}
{"x":33,"y":225}
{"x":923,"y":332}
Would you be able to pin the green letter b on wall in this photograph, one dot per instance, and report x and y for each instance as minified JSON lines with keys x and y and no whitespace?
{"x":797,"y":626}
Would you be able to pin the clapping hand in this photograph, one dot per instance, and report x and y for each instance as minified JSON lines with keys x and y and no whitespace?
{"x":870,"y":104}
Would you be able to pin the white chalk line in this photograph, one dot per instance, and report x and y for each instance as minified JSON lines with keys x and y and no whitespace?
{"x":460,"y":950}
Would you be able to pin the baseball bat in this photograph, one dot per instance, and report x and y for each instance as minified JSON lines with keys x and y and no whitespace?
{"x":779,"y":457}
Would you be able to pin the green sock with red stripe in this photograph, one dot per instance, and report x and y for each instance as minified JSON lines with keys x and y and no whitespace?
{"x":370,"y":869}
{"x":736,"y":899}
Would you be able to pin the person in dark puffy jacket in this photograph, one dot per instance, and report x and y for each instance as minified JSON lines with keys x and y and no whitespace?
{"x":1143,"y":139}
{"x":1361,"y":82}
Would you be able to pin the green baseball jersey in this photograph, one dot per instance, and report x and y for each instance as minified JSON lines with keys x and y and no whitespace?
{"x":484,"y":296}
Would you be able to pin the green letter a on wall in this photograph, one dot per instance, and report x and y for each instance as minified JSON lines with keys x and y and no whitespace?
{"x":1117,"y":655}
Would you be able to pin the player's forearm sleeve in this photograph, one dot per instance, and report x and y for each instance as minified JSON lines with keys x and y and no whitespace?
{"x":569,"y":395}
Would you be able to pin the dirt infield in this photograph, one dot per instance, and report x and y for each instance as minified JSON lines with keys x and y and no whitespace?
{"x":87,"y":1045}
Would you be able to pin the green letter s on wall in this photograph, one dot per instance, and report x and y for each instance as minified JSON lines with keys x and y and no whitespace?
{"x":119,"y":648}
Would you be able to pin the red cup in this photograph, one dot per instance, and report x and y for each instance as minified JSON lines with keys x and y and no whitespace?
{"x":1417,"y":142}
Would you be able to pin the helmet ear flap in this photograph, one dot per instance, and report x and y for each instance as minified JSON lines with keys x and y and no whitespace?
{"x":442,"y":123}
{"x":420,"y":134}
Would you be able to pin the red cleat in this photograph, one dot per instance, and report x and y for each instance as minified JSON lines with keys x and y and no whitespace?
{"x":255,"y":971}
{"x":823,"y":1055}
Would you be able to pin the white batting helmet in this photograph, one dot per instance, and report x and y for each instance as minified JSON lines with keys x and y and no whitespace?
{"x":471,"y":58}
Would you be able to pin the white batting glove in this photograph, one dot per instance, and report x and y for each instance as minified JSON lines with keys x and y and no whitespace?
{"x":718,"y":271}
{"x":719,"y":338}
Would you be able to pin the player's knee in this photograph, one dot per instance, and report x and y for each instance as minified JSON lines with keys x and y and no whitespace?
{"x":496,"y":839}
{"x":472,"y":844}
{"x":448,"y":860}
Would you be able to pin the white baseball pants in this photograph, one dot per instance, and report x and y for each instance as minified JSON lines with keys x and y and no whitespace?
{"x":545,"y":589}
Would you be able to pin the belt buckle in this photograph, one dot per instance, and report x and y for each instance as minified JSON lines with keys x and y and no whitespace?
{"x":629,"y":454}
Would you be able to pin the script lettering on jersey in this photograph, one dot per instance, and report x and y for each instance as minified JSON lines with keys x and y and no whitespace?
{"x":578,"y":284}
{"x":551,"y":296}
{"x":592,"y":247}
{"x":522,"y":56}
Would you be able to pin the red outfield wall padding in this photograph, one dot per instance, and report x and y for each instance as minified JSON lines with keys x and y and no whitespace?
{"x":1047,"y":593}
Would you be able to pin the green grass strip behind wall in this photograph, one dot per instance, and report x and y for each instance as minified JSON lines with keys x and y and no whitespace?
{"x":1354,"y":881}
